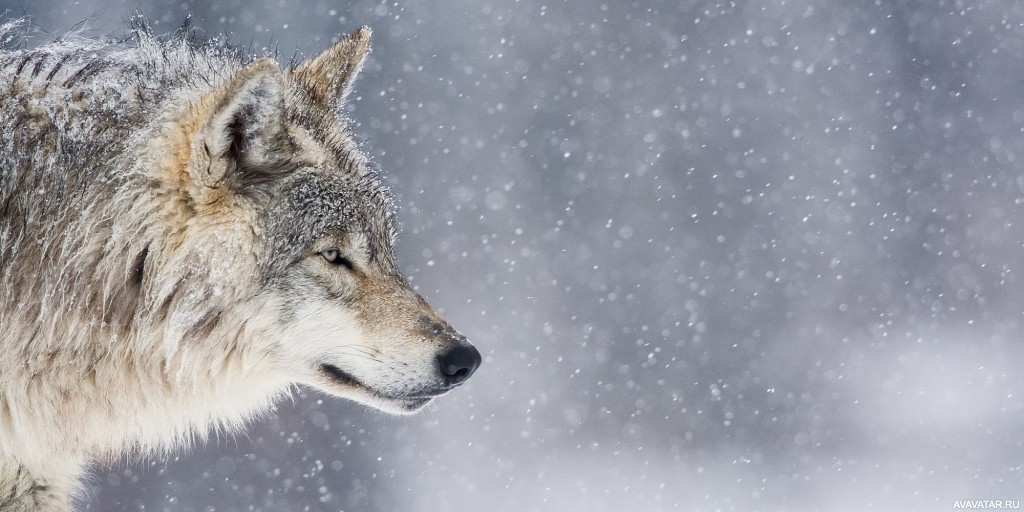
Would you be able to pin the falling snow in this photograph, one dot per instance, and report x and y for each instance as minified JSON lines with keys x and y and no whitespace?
{"x":717,"y":255}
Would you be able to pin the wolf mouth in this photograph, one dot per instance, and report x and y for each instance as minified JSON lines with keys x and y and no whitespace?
{"x":339,"y":376}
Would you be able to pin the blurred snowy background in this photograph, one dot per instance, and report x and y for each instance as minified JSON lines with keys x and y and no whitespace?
{"x":718,"y":256}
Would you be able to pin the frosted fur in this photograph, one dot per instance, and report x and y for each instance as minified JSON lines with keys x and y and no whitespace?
{"x":164,"y":211}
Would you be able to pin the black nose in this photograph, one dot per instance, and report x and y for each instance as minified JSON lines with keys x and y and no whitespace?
{"x":458,"y":363}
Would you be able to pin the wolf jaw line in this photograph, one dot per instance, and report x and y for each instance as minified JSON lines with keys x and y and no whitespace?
{"x":185,"y":234}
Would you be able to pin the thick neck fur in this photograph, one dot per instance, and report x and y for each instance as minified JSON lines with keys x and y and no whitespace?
{"x":87,"y":201}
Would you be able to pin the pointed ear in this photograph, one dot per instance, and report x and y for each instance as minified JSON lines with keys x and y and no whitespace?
{"x":244,"y":134}
{"x":330,"y":75}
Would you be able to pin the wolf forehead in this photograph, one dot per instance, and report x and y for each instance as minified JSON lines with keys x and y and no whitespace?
{"x":312,"y":205}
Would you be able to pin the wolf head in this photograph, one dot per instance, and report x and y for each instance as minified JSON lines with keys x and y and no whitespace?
{"x":273,"y":187}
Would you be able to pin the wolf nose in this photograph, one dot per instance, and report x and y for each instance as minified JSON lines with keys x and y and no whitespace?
{"x":459,"y":363}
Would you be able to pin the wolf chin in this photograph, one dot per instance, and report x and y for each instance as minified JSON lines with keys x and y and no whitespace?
{"x":187,"y":233}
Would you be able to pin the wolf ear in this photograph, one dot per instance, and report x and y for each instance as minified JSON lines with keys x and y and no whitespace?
{"x":244,"y":129}
{"x":330,"y":75}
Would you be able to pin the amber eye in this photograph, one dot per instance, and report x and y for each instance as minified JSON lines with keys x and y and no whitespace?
{"x":334,"y":257}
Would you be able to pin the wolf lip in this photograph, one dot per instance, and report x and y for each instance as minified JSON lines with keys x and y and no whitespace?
{"x":339,"y":376}
{"x":336,"y":374}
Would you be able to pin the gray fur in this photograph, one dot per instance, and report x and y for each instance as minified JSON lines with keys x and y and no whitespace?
{"x":167,"y":209}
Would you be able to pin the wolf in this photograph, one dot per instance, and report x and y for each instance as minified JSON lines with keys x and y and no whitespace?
{"x":186,"y":234}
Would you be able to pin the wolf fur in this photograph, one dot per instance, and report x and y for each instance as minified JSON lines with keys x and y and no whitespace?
{"x":185,"y":234}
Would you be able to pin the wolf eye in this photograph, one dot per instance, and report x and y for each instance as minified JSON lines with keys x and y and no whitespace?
{"x":334,"y":257}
